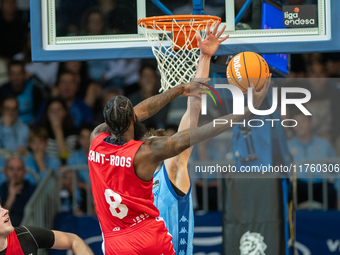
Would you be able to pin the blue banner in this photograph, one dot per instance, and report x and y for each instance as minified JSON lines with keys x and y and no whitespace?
{"x":207,"y":238}
{"x":208,"y":233}
{"x":318,"y":232}
{"x":86,"y":227}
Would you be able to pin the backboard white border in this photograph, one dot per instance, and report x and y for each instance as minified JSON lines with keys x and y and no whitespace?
{"x":51,"y":42}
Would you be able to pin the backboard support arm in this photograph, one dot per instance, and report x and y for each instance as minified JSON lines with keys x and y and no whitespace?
{"x":162,"y":7}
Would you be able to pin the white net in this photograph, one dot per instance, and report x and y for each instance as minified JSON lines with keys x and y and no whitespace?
{"x":177,"y":59}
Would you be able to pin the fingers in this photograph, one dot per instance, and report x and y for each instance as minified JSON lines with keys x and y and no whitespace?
{"x":202,"y":85}
{"x":253,"y":90}
{"x":18,"y":190}
{"x":206,"y":80}
{"x":265,"y":87}
{"x":201,"y":80}
{"x":216,"y":27}
{"x":267,"y":83}
{"x":198,"y":37}
{"x":224,"y":38}
{"x":208,"y":28}
{"x":199,"y":83}
{"x":12,"y":183}
{"x":221,"y":31}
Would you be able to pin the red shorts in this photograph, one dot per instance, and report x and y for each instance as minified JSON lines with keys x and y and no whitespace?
{"x":150,"y":238}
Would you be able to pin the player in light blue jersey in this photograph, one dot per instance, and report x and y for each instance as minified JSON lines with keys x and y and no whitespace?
{"x":171,"y":187}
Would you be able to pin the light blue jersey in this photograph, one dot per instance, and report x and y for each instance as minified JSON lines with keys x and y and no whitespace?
{"x":176,"y":211}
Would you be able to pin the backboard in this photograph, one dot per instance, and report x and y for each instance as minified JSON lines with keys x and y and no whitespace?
{"x":63,"y":30}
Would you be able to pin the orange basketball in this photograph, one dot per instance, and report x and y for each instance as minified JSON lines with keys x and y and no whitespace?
{"x":246,"y":68}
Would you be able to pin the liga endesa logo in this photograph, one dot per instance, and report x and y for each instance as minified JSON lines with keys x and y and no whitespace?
{"x":299,"y":16}
{"x":238,"y":105}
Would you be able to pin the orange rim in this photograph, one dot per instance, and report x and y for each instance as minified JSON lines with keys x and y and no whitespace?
{"x":165,"y":22}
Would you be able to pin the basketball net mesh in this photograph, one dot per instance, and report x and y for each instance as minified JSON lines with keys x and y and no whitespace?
{"x":178,"y":62}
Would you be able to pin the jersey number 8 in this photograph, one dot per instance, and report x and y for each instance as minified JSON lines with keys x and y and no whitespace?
{"x":114,"y":200}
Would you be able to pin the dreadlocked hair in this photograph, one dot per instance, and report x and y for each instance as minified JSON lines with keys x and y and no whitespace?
{"x":154,"y":132}
{"x":118,"y":114}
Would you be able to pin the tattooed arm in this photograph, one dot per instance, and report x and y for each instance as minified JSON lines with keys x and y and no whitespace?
{"x":152,"y":105}
{"x":157,"y":149}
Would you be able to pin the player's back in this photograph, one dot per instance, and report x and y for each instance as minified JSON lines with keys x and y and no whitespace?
{"x":176,"y":211}
{"x":121,"y":199}
{"x":124,"y":203}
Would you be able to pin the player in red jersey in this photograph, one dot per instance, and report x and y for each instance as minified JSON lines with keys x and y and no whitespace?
{"x":122,"y":168}
{"x":124,"y":200}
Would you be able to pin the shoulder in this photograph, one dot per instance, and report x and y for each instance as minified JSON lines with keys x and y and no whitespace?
{"x":28,"y":159}
{"x":293,"y":142}
{"x":98,"y":136}
{"x":80,"y":103}
{"x":76,"y":157}
{"x":30,"y":84}
{"x":166,"y":185}
{"x":53,"y":162}
{"x":321,"y":142}
{"x":22,"y":125}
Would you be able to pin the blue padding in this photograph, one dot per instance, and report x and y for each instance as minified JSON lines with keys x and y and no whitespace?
{"x":285,"y":211}
{"x":197,"y":5}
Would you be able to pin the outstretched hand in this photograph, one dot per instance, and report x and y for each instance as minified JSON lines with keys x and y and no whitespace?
{"x":194,"y":88}
{"x":211,"y":42}
{"x":259,"y":96}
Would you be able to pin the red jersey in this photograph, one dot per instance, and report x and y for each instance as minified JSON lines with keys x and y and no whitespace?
{"x":13,"y":245}
{"x":122,"y":200}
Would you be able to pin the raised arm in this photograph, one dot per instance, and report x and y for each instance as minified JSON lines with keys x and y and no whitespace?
{"x":157,"y":149}
{"x":68,"y":241}
{"x":177,"y":166}
{"x":154,"y":104}
{"x":150,"y":106}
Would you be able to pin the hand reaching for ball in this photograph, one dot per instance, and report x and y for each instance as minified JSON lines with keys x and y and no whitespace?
{"x":259,"y":96}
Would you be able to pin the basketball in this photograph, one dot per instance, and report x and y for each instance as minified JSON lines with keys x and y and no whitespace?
{"x":246,"y":68}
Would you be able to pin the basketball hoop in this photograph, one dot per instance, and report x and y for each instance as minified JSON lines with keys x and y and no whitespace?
{"x":173,"y":43}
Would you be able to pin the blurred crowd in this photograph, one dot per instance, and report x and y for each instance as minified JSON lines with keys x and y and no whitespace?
{"x":48,"y":110}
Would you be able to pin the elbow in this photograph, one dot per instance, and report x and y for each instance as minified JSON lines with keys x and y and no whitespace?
{"x":79,"y":247}
{"x":76,"y":242}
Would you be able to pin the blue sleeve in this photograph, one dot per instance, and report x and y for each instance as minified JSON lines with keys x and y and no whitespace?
{"x":7,"y":138}
{"x":2,"y":161}
{"x":54,"y":164}
{"x":72,"y":160}
{"x":23,"y":133}
{"x":331,"y":152}
{"x":87,"y":113}
{"x":29,"y":162}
